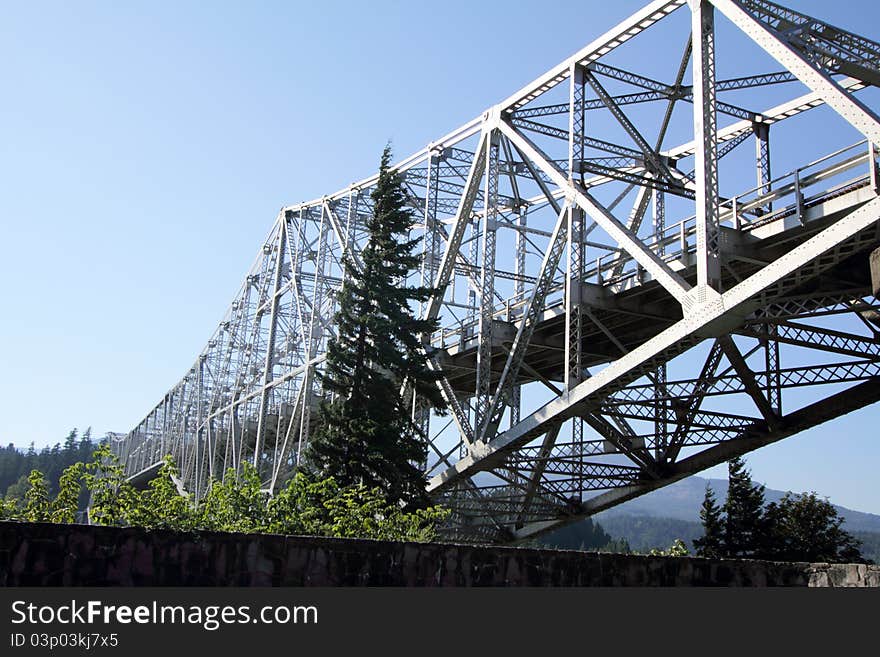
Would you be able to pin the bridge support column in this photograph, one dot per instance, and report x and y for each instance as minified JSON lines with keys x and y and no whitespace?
{"x":487,"y":290}
{"x":574,"y":370}
{"x":706,"y":155}
{"x":762,"y":161}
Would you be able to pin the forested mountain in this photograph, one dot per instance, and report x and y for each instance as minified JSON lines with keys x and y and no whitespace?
{"x":16,"y":464}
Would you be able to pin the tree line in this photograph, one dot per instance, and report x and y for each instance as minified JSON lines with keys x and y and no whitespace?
{"x":800,"y":527}
{"x":16,"y":465}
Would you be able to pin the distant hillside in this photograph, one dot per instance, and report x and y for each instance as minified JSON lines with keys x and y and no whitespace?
{"x":682,"y":500}
{"x":643,"y":533}
{"x":659,"y":518}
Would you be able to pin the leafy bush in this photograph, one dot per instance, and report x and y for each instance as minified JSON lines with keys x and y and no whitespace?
{"x":236,"y":504}
{"x":677,"y":549}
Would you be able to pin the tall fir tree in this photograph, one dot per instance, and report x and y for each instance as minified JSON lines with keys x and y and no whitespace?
{"x":711,"y":544}
{"x":744,"y":512}
{"x":366,"y":435}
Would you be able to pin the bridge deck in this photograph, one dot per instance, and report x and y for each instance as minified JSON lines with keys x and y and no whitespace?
{"x":633,"y":309}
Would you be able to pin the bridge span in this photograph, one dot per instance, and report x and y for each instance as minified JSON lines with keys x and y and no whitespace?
{"x":630,"y":294}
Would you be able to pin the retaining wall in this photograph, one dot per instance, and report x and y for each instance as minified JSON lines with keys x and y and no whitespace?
{"x":43,"y":554}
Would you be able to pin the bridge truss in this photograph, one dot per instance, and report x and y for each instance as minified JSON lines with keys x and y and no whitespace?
{"x":617,"y":312}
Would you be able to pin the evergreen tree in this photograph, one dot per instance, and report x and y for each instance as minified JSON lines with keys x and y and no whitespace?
{"x":70,"y":443}
{"x":807,"y":528}
{"x":711,"y":544}
{"x":743,"y":526}
{"x":366,"y":436}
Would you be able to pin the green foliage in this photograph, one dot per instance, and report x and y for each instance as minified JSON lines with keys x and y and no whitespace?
{"x":37,"y":506}
{"x":161,"y":505}
{"x":316,"y":508}
{"x":8,"y":508}
{"x":66,"y":503}
{"x":359,"y":511}
{"x":677,"y":549}
{"x":711,"y":544}
{"x":113,"y":499}
{"x":807,"y":528}
{"x":367,"y":437}
{"x":299,"y":507}
{"x":236,"y":504}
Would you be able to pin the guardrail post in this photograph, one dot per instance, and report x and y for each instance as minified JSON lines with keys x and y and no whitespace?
{"x":798,"y":197}
{"x":872,"y":166}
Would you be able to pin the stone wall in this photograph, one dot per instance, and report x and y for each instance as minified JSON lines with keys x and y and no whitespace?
{"x":42,"y":554}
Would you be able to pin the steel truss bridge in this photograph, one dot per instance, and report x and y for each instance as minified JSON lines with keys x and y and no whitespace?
{"x":630,"y":294}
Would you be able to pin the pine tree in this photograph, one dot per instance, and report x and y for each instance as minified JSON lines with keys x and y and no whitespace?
{"x":711,"y":544}
{"x":744,"y":511}
{"x":366,"y":435}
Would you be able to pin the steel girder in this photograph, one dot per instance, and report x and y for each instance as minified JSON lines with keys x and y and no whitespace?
{"x":588,"y":356}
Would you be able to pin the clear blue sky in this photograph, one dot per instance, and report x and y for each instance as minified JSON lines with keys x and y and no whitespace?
{"x":146,"y":148}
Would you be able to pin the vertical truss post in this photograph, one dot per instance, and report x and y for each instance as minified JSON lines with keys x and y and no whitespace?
{"x":659,"y":220}
{"x":487,"y":286}
{"x":351,"y":218}
{"x":473,"y":259}
{"x":872,"y":166}
{"x":519,"y":290}
{"x":166,"y":428}
{"x":574,"y":312}
{"x":773,"y":384}
{"x":661,"y":427}
{"x":706,"y":155}
{"x":574,"y":368}
{"x":269,"y":364}
{"x":762,"y":160}
{"x":315,"y":332}
{"x":421,"y":412}
{"x":431,"y":235}
{"x":200,"y":395}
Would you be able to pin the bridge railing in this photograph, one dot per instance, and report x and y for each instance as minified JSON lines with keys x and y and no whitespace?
{"x":795,"y":191}
{"x":789,"y":195}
